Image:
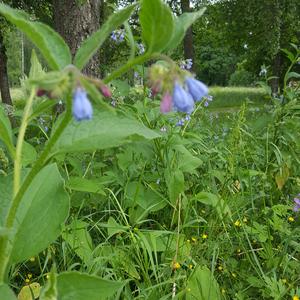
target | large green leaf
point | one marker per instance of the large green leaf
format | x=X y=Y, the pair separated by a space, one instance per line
x=78 y=286
x=44 y=207
x=50 y=43
x=94 y=42
x=157 y=23
x=202 y=285
x=6 y=293
x=182 y=23
x=103 y=131
x=6 y=132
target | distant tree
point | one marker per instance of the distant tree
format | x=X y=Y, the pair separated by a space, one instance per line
x=259 y=30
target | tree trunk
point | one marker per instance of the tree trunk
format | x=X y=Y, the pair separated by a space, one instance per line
x=4 y=85
x=75 y=22
x=188 y=39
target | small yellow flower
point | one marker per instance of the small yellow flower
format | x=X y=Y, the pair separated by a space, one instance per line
x=29 y=275
x=27 y=280
x=245 y=220
x=237 y=223
x=234 y=275
x=190 y=266
x=223 y=291
x=188 y=241
x=176 y=265
x=291 y=219
x=204 y=236
x=284 y=280
x=220 y=268
x=194 y=240
x=32 y=259
x=296 y=297
x=238 y=250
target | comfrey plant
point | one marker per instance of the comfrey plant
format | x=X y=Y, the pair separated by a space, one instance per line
x=179 y=88
x=24 y=208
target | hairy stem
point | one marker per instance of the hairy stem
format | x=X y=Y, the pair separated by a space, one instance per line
x=18 y=157
x=8 y=239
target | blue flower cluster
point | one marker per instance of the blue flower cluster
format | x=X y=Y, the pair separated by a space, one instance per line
x=118 y=35
x=184 y=99
x=186 y=64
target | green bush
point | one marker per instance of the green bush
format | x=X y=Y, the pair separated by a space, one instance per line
x=241 y=78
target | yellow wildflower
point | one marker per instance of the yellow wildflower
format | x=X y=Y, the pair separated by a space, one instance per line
x=176 y=265
x=204 y=236
x=296 y=297
x=291 y=219
x=237 y=223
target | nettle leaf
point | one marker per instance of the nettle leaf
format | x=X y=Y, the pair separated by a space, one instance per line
x=157 y=23
x=6 y=132
x=103 y=131
x=44 y=207
x=78 y=286
x=182 y=23
x=50 y=43
x=90 y=46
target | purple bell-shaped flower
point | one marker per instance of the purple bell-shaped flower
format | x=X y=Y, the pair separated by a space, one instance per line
x=82 y=107
x=196 y=88
x=182 y=100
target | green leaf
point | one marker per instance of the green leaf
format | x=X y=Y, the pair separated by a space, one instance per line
x=202 y=285
x=36 y=69
x=157 y=23
x=85 y=185
x=175 y=184
x=29 y=154
x=292 y=75
x=49 y=292
x=6 y=293
x=182 y=23
x=6 y=132
x=103 y=131
x=214 y=201
x=50 y=43
x=44 y=207
x=113 y=227
x=78 y=286
x=90 y=46
x=79 y=239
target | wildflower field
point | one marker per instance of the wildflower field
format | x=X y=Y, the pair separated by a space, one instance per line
x=154 y=188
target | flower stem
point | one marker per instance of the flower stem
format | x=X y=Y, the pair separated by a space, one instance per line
x=138 y=60
x=8 y=239
x=18 y=157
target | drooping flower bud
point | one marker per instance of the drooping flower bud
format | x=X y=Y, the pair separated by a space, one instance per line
x=196 y=88
x=106 y=92
x=82 y=107
x=155 y=89
x=166 y=103
x=41 y=92
x=182 y=100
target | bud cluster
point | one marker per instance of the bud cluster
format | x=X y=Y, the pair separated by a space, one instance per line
x=55 y=85
x=179 y=88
